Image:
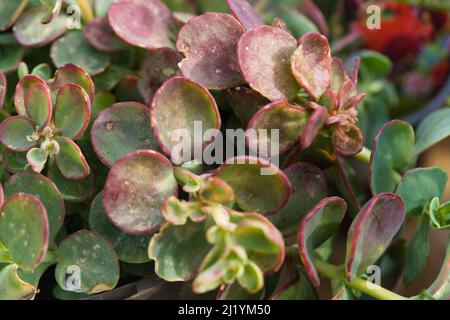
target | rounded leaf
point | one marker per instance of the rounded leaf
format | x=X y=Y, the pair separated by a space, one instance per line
x=348 y=140
x=243 y=11
x=74 y=48
x=86 y=263
x=264 y=55
x=100 y=36
x=180 y=104
x=311 y=64
x=12 y=287
x=122 y=129
x=279 y=115
x=372 y=231
x=24 y=230
x=249 y=178
x=37 y=158
x=10 y=10
x=209 y=43
x=143 y=23
x=15 y=133
x=45 y=190
x=26 y=87
x=31 y=32
x=321 y=223
x=10 y=57
x=72 y=111
x=135 y=190
x=245 y=102
x=312 y=127
x=38 y=103
x=71 y=73
x=70 y=160
x=392 y=153
x=129 y=248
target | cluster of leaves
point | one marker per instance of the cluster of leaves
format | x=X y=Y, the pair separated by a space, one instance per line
x=89 y=184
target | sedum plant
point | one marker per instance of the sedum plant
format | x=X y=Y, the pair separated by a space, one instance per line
x=91 y=190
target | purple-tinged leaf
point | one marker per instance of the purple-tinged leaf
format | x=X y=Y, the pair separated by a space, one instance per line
x=352 y=68
x=71 y=73
x=280 y=24
x=312 y=127
x=72 y=111
x=37 y=158
x=30 y=32
x=23 y=87
x=2 y=89
x=159 y=66
x=311 y=64
x=16 y=132
x=245 y=102
x=209 y=43
x=321 y=223
x=299 y=288
x=249 y=176
x=348 y=140
x=179 y=104
x=70 y=160
x=135 y=189
x=309 y=186
x=11 y=10
x=279 y=115
x=245 y=14
x=372 y=231
x=100 y=36
x=329 y=100
x=143 y=23
x=38 y=103
x=312 y=11
x=24 y=230
x=338 y=74
x=264 y=55
x=345 y=93
x=122 y=129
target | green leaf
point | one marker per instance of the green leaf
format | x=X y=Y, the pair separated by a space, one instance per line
x=86 y=263
x=24 y=230
x=37 y=101
x=297 y=22
x=43 y=189
x=298 y=289
x=419 y=186
x=418 y=251
x=15 y=133
x=129 y=248
x=439 y=214
x=434 y=128
x=42 y=70
x=374 y=65
x=70 y=160
x=12 y=287
x=440 y=289
x=10 y=11
x=37 y=158
x=391 y=155
x=252 y=278
x=71 y=73
x=10 y=57
x=178 y=251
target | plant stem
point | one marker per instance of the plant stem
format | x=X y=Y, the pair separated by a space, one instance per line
x=86 y=10
x=332 y=272
x=51 y=257
x=364 y=155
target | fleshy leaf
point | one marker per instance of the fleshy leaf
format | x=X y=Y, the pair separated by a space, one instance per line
x=72 y=111
x=315 y=123
x=28 y=86
x=144 y=23
x=12 y=287
x=209 y=43
x=122 y=129
x=86 y=263
x=135 y=189
x=338 y=74
x=179 y=104
x=10 y=57
x=45 y=190
x=14 y=161
x=178 y=251
x=235 y=292
x=70 y=160
x=30 y=32
x=74 y=48
x=53 y=10
x=282 y=116
x=2 y=88
x=439 y=214
x=371 y=232
x=434 y=128
x=10 y=10
x=37 y=158
x=309 y=186
x=298 y=289
x=71 y=73
x=264 y=55
x=391 y=155
x=440 y=289
x=100 y=36
x=158 y=67
x=243 y=11
x=249 y=176
x=24 y=230
x=311 y=64
x=419 y=186
x=321 y=223
x=129 y=248
x=348 y=140
x=15 y=133
x=245 y=102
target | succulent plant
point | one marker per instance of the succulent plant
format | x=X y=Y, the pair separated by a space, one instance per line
x=94 y=182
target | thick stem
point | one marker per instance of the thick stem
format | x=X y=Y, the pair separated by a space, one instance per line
x=332 y=272
x=364 y=155
x=86 y=10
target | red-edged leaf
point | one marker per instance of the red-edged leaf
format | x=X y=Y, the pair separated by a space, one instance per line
x=372 y=231
x=338 y=74
x=37 y=158
x=24 y=86
x=70 y=160
x=100 y=36
x=312 y=127
x=243 y=11
x=71 y=73
x=264 y=57
x=348 y=140
x=38 y=103
x=311 y=64
x=209 y=43
x=321 y=223
x=245 y=102
x=16 y=132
